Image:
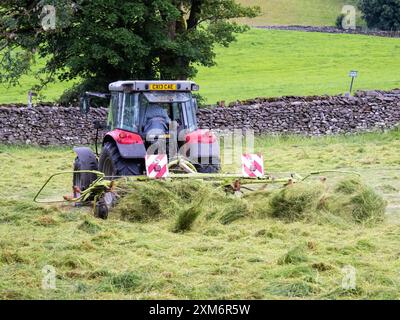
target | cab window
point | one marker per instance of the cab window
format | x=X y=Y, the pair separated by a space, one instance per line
x=129 y=112
x=113 y=111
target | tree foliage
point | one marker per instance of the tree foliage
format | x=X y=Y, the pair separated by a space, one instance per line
x=381 y=14
x=100 y=41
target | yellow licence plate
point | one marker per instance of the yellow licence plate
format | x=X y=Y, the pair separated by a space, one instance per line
x=163 y=86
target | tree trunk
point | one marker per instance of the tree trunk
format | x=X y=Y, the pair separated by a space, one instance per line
x=173 y=65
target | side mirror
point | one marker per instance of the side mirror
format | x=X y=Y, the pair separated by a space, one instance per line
x=195 y=106
x=84 y=105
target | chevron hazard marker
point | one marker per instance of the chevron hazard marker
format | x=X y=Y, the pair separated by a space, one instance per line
x=157 y=166
x=252 y=165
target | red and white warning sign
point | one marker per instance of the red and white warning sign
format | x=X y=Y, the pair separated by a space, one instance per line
x=157 y=166
x=253 y=165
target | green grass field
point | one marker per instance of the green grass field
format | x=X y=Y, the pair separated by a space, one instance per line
x=19 y=94
x=296 y=12
x=275 y=63
x=243 y=260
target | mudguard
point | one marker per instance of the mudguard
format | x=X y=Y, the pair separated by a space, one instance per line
x=130 y=145
x=202 y=144
x=203 y=151
x=131 y=151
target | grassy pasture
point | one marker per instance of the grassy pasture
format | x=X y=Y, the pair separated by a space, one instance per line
x=297 y=12
x=275 y=63
x=250 y=258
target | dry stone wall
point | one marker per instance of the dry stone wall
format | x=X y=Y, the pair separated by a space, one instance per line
x=48 y=125
x=322 y=29
x=367 y=111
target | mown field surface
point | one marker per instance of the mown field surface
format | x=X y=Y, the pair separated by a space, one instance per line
x=276 y=63
x=296 y=12
x=251 y=258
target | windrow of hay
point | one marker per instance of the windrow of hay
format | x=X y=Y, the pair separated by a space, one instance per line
x=183 y=201
x=295 y=202
x=350 y=200
x=353 y=199
x=195 y=201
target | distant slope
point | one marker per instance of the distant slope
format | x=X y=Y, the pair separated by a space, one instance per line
x=296 y=12
x=265 y=63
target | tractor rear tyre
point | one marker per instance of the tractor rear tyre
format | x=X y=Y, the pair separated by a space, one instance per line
x=113 y=165
x=212 y=167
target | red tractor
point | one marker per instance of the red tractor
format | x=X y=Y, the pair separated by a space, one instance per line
x=147 y=117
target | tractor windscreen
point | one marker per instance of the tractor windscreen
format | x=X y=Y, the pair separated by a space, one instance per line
x=133 y=111
x=171 y=106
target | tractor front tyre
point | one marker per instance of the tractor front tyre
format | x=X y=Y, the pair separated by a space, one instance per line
x=113 y=165
x=212 y=167
x=83 y=180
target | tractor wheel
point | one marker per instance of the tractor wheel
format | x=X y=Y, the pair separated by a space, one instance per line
x=83 y=180
x=101 y=210
x=113 y=165
x=213 y=167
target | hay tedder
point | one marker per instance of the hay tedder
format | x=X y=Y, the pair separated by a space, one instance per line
x=152 y=133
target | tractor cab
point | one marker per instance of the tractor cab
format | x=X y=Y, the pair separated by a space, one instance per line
x=148 y=117
x=149 y=107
